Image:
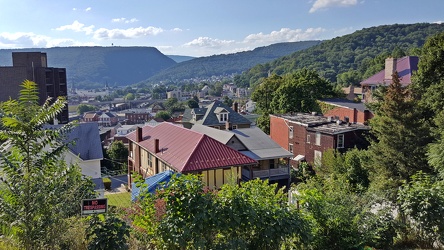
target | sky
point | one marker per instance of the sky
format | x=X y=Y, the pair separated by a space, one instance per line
x=198 y=27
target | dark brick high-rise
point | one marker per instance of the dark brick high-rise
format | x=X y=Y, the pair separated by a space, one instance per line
x=33 y=66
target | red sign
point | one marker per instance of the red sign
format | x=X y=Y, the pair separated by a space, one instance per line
x=94 y=206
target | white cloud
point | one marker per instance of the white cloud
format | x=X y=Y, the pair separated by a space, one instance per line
x=324 y=4
x=177 y=30
x=74 y=9
x=88 y=9
x=77 y=27
x=31 y=40
x=124 y=20
x=208 y=42
x=284 y=35
x=439 y=22
x=104 y=33
x=205 y=45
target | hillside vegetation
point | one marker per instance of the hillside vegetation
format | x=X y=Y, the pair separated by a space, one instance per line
x=357 y=52
x=95 y=66
x=227 y=64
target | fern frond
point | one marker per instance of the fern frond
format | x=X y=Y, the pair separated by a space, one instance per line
x=29 y=94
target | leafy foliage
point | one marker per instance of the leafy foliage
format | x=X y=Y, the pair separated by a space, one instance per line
x=82 y=108
x=350 y=52
x=422 y=200
x=39 y=190
x=165 y=115
x=296 y=92
x=218 y=65
x=119 y=154
x=186 y=215
x=107 y=231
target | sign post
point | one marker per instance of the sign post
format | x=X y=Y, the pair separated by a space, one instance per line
x=94 y=206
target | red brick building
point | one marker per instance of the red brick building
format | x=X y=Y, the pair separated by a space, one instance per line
x=137 y=117
x=347 y=111
x=308 y=136
x=33 y=66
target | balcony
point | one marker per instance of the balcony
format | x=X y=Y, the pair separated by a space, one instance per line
x=281 y=172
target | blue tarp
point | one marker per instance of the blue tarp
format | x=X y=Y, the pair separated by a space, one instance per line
x=153 y=183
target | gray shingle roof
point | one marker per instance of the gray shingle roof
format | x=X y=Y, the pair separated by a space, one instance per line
x=87 y=141
x=210 y=117
x=346 y=103
x=259 y=145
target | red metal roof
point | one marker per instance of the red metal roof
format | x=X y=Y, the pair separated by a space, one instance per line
x=405 y=66
x=187 y=150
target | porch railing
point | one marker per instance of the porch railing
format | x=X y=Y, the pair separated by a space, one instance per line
x=282 y=170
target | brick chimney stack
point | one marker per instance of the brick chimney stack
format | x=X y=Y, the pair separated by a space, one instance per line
x=139 y=134
x=390 y=67
x=156 y=146
x=236 y=107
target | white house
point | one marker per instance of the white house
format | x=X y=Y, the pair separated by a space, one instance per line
x=250 y=106
x=126 y=129
x=85 y=150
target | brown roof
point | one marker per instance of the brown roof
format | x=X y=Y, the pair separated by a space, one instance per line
x=89 y=115
x=189 y=151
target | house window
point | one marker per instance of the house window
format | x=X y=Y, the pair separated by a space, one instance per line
x=150 y=160
x=290 y=132
x=340 y=140
x=317 y=158
x=290 y=148
x=234 y=127
x=271 y=163
x=346 y=119
x=223 y=117
x=318 y=138
x=308 y=138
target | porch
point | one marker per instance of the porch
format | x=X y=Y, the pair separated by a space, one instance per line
x=280 y=172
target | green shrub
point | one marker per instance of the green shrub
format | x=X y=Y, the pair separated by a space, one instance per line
x=107 y=183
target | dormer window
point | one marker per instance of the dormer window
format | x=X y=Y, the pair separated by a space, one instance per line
x=223 y=117
x=222 y=114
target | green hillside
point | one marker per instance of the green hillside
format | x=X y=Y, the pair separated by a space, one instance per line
x=180 y=59
x=95 y=66
x=227 y=64
x=355 y=52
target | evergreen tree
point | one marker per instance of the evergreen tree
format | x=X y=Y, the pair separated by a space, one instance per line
x=400 y=137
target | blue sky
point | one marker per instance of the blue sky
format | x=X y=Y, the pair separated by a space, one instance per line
x=198 y=27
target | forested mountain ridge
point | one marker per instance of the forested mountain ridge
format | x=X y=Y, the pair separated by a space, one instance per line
x=355 y=52
x=227 y=64
x=96 y=66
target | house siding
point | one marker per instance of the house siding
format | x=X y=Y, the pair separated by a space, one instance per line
x=279 y=131
x=354 y=115
x=212 y=178
x=327 y=142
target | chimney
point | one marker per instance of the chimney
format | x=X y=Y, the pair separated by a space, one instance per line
x=390 y=68
x=139 y=134
x=236 y=107
x=351 y=94
x=156 y=146
x=228 y=126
